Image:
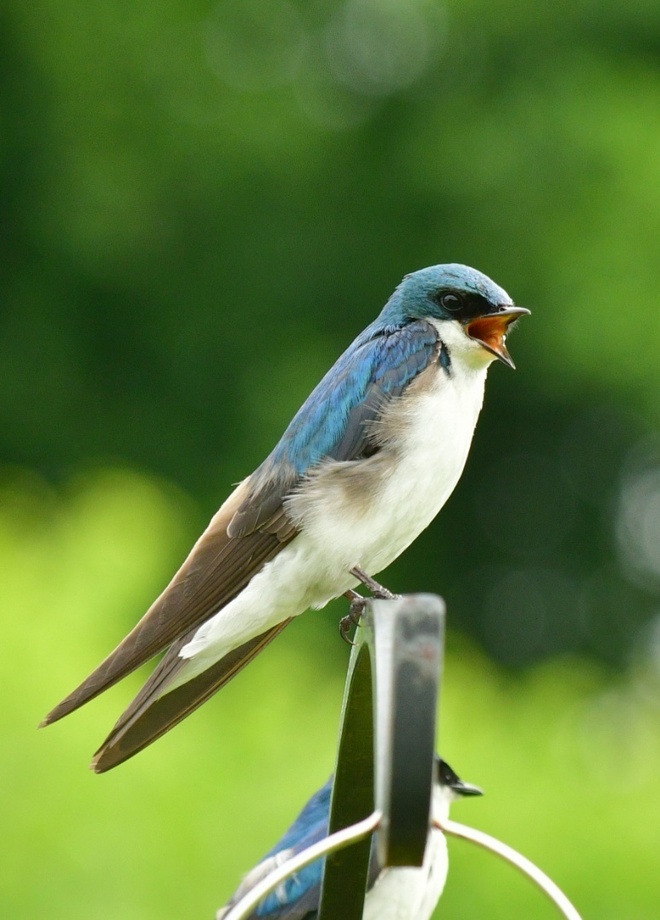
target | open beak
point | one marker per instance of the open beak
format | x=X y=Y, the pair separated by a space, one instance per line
x=490 y=330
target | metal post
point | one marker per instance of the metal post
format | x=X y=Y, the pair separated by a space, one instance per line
x=388 y=736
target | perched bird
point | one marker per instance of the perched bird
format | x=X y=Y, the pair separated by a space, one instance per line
x=392 y=894
x=364 y=466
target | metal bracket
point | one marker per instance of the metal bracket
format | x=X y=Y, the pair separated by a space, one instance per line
x=385 y=754
x=387 y=743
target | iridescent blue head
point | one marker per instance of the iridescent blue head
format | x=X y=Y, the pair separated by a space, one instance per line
x=457 y=294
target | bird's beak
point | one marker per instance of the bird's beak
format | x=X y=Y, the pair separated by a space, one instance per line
x=461 y=788
x=490 y=330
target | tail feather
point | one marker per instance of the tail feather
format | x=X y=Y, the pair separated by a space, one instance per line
x=171 y=614
x=217 y=569
x=112 y=669
x=154 y=711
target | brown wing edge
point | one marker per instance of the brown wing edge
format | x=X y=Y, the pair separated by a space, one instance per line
x=164 y=622
x=133 y=732
x=215 y=571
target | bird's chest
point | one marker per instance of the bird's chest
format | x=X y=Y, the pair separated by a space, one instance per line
x=374 y=508
x=410 y=894
x=427 y=439
x=430 y=435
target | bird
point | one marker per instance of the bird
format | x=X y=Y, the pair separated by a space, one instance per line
x=361 y=470
x=392 y=894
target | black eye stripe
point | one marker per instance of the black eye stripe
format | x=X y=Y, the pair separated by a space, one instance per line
x=461 y=305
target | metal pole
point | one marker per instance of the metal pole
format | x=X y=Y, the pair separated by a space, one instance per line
x=387 y=742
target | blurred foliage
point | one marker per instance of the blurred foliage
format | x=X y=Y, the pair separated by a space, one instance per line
x=200 y=205
x=567 y=754
x=203 y=203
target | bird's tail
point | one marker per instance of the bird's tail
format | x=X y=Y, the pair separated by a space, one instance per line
x=155 y=709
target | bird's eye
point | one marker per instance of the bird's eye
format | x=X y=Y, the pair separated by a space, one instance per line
x=451 y=302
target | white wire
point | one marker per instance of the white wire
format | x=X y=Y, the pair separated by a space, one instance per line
x=330 y=844
x=521 y=862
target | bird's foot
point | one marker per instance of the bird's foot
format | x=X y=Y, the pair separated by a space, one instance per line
x=358 y=602
x=354 y=615
x=378 y=590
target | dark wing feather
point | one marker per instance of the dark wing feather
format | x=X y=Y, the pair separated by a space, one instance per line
x=216 y=570
x=146 y=719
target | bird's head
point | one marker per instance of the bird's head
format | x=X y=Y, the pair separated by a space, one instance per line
x=447 y=787
x=465 y=300
x=446 y=780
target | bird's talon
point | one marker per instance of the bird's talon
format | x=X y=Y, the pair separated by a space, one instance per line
x=354 y=615
x=345 y=627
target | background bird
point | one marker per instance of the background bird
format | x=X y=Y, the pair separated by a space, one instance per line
x=364 y=466
x=392 y=894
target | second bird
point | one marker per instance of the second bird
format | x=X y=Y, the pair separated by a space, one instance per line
x=400 y=893
x=362 y=469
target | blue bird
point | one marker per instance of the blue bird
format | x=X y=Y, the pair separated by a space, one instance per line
x=364 y=466
x=392 y=894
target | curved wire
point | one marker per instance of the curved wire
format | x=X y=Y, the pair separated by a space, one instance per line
x=336 y=841
x=544 y=882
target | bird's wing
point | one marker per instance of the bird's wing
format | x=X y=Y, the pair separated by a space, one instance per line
x=297 y=898
x=251 y=528
x=151 y=715
x=304 y=908
x=216 y=570
x=337 y=421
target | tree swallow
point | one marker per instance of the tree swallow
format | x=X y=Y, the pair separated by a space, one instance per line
x=363 y=468
x=392 y=894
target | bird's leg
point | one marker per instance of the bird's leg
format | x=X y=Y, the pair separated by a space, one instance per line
x=358 y=602
x=354 y=614
x=376 y=589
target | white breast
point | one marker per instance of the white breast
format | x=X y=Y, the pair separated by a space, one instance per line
x=369 y=512
x=410 y=894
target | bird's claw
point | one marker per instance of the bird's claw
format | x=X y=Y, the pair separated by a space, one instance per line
x=344 y=629
x=358 y=602
x=354 y=615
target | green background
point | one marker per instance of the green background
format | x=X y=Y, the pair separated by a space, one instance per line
x=202 y=204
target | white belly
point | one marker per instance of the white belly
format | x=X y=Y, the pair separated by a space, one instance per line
x=369 y=512
x=410 y=894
